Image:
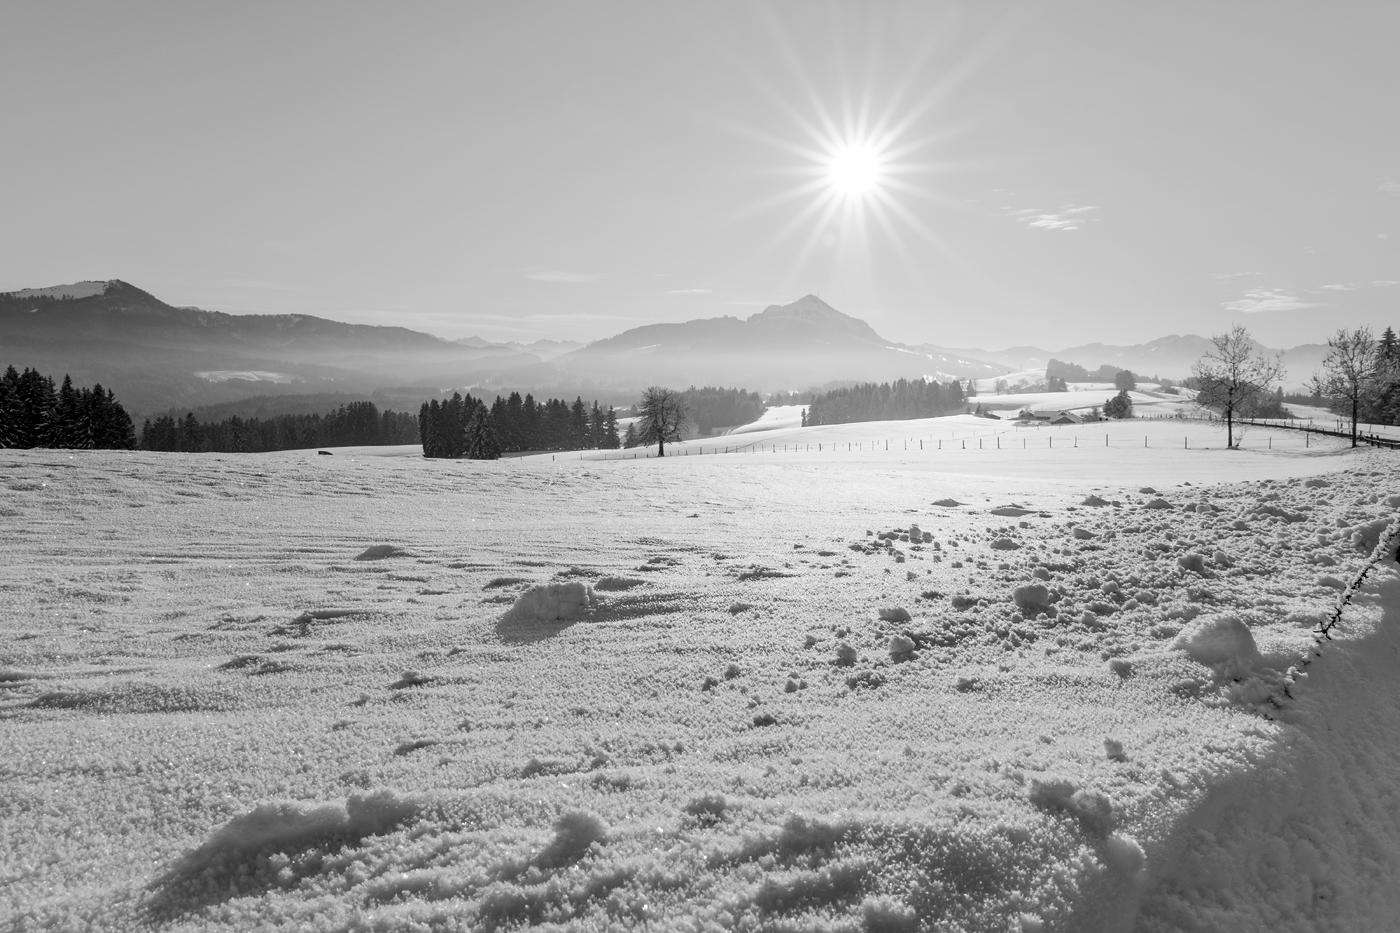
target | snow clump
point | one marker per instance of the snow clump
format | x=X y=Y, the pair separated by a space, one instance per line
x=1217 y=640
x=1094 y=809
x=553 y=602
x=884 y=914
x=617 y=583
x=1032 y=597
x=901 y=648
x=1123 y=854
x=574 y=833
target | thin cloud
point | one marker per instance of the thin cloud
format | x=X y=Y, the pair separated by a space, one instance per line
x=1391 y=186
x=1068 y=217
x=1231 y=275
x=689 y=291
x=1385 y=283
x=1257 y=300
x=556 y=275
x=1341 y=288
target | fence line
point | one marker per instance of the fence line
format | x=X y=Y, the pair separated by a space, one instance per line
x=905 y=444
x=1385 y=549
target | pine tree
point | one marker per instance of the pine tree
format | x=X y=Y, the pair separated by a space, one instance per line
x=1120 y=406
x=81 y=426
x=191 y=435
x=578 y=426
x=597 y=422
x=610 y=439
x=9 y=409
x=630 y=439
x=122 y=432
x=530 y=438
x=1387 y=348
x=425 y=426
x=482 y=442
x=68 y=416
x=37 y=400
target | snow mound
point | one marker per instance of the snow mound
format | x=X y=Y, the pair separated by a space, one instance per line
x=553 y=602
x=380 y=552
x=289 y=826
x=1094 y=501
x=948 y=503
x=1217 y=640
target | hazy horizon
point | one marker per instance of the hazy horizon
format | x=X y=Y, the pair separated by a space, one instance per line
x=965 y=176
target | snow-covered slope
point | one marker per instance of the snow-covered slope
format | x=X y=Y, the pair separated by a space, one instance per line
x=705 y=692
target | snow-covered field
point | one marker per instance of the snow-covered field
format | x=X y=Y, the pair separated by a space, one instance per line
x=733 y=692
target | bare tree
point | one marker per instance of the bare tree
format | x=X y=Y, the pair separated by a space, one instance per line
x=1349 y=370
x=1232 y=376
x=663 y=417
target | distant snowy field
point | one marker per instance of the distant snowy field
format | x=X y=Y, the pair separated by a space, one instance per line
x=300 y=692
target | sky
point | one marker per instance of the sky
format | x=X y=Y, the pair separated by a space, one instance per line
x=979 y=174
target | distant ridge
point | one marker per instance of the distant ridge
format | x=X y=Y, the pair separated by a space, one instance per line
x=76 y=290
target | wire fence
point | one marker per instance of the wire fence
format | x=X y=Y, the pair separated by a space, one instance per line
x=1031 y=436
x=1385 y=551
x=1366 y=434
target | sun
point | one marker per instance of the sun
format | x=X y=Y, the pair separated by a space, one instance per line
x=862 y=158
x=854 y=169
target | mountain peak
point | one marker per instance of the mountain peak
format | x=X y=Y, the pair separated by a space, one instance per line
x=811 y=311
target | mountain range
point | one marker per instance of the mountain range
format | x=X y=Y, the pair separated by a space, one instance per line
x=158 y=356
x=1169 y=357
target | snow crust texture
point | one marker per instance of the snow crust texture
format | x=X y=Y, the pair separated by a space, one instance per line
x=350 y=693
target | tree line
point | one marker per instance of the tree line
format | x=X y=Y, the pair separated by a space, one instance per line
x=35 y=413
x=710 y=407
x=357 y=424
x=898 y=401
x=463 y=426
